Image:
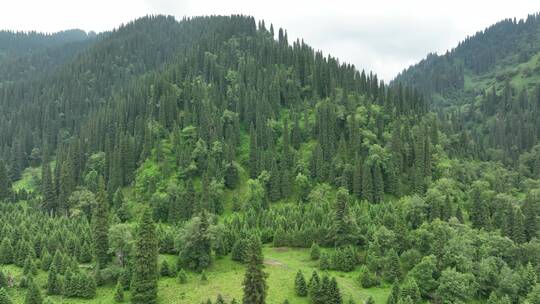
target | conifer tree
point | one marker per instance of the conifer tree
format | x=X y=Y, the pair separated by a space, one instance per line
x=394 y=296
x=315 y=252
x=5 y=182
x=300 y=285
x=254 y=283
x=33 y=295
x=4 y=297
x=100 y=227
x=47 y=189
x=182 y=277
x=145 y=268
x=119 y=292
x=54 y=285
x=3 y=280
x=367 y=183
x=393 y=267
x=6 y=252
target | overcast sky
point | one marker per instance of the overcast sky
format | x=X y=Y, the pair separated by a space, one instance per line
x=380 y=35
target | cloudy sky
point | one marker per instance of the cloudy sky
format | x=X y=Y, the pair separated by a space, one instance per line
x=380 y=35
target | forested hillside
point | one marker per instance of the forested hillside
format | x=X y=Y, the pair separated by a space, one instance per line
x=212 y=160
x=488 y=87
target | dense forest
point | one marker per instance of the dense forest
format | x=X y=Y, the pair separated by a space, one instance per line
x=212 y=160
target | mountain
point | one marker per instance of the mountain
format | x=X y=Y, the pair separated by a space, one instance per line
x=489 y=83
x=181 y=160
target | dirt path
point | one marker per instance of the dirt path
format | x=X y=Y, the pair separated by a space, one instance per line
x=272 y=262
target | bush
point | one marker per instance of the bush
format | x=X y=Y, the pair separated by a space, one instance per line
x=367 y=279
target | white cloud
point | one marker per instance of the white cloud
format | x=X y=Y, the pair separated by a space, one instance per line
x=384 y=36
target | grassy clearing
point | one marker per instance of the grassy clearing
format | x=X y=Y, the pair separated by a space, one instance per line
x=225 y=278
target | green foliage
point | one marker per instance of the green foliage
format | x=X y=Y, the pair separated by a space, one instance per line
x=4 y=297
x=315 y=252
x=195 y=252
x=100 y=227
x=455 y=287
x=33 y=295
x=145 y=268
x=255 y=287
x=300 y=285
x=367 y=279
x=119 y=293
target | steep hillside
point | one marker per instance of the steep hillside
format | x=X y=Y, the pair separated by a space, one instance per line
x=216 y=148
x=488 y=84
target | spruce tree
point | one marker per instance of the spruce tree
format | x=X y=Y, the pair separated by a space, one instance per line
x=4 y=297
x=315 y=252
x=6 y=252
x=119 y=292
x=393 y=267
x=3 y=280
x=33 y=295
x=47 y=189
x=254 y=283
x=367 y=183
x=100 y=227
x=394 y=296
x=145 y=267
x=54 y=285
x=300 y=285
x=182 y=277
x=5 y=182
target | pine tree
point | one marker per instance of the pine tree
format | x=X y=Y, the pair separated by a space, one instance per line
x=6 y=252
x=335 y=293
x=165 y=269
x=182 y=277
x=100 y=227
x=47 y=189
x=3 y=280
x=5 y=182
x=204 y=278
x=410 y=290
x=394 y=296
x=315 y=252
x=54 y=285
x=66 y=186
x=313 y=285
x=253 y=153
x=145 y=267
x=367 y=183
x=300 y=285
x=518 y=229
x=33 y=295
x=119 y=292
x=219 y=299
x=378 y=184
x=393 y=266
x=4 y=297
x=254 y=283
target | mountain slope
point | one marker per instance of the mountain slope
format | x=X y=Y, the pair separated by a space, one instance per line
x=228 y=135
x=489 y=83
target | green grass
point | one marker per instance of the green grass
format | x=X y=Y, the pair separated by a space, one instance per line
x=225 y=278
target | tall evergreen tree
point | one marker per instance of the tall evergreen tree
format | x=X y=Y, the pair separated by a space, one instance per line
x=100 y=227
x=255 y=287
x=33 y=295
x=145 y=262
x=5 y=182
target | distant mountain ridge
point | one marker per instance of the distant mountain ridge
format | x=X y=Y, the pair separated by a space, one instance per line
x=488 y=86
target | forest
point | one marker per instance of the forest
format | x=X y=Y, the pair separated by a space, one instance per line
x=212 y=160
